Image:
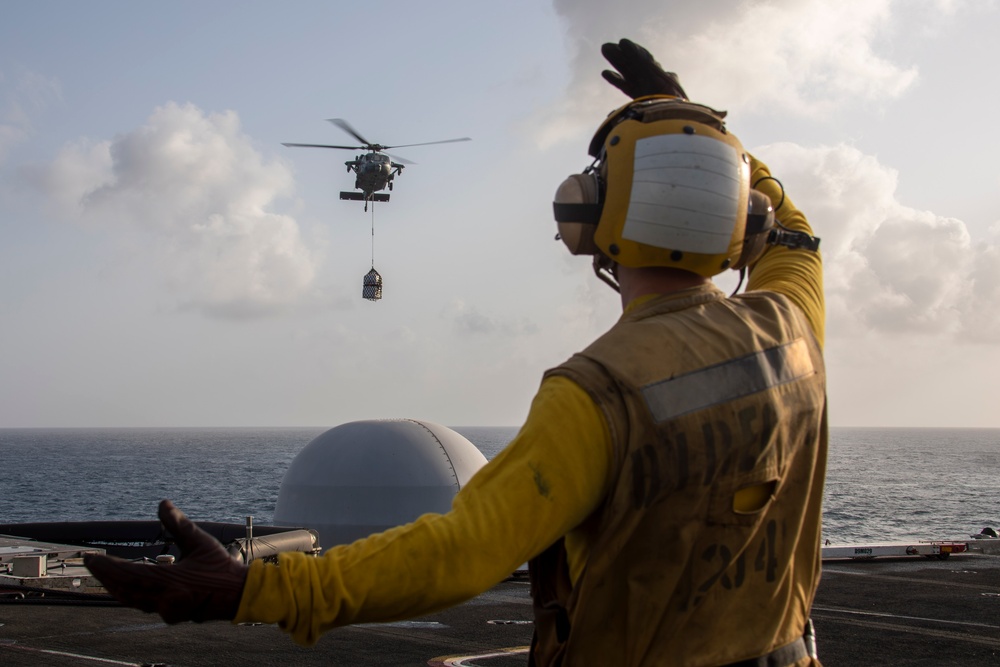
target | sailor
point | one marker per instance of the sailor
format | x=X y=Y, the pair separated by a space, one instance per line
x=667 y=483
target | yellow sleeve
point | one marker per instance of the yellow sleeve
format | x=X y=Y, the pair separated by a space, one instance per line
x=796 y=273
x=545 y=482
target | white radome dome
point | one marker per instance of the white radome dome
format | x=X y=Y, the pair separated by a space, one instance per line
x=364 y=477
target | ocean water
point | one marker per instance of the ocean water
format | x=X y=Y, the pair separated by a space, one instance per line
x=911 y=483
x=882 y=484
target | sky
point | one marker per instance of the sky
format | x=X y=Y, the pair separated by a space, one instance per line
x=165 y=261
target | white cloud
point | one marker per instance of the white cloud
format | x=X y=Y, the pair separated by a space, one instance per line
x=22 y=98
x=467 y=319
x=981 y=317
x=810 y=56
x=813 y=56
x=194 y=185
x=889 y=268
x=81 y=167
x=953 y=7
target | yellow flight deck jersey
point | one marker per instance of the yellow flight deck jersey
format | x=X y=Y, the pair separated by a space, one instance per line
x=557 y=472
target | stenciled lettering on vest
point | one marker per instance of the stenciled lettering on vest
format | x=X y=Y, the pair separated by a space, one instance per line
x=758 y=562
x=665 y=466
x=659 y=468
x=718 y=439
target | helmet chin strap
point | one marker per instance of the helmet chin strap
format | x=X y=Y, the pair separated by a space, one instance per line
x=604 y=268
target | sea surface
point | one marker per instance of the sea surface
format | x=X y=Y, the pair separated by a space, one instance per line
x=883 y=484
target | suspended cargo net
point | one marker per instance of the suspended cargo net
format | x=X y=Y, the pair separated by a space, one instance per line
x=372 y=289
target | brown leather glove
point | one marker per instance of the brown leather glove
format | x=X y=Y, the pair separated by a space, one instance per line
x=206 y=583
x=638 y=72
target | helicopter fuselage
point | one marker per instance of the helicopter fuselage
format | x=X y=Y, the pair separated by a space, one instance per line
x=375 y=171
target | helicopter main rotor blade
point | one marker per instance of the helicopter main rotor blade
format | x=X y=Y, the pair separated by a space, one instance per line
x=428 y=143
x=348 y=148
x=346 y=127
x=401 y=160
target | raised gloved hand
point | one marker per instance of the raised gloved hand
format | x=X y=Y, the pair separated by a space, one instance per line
x=638 y=72
x=206 y=583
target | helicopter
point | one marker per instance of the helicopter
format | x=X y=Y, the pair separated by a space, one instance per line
x=374 y=170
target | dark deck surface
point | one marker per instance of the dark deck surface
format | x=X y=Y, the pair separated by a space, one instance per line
x=881 y=612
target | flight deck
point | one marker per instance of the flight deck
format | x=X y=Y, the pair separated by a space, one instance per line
x=893 y=611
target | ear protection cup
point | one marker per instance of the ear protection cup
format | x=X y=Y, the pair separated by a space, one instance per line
x=577 y=211
x=760 y=221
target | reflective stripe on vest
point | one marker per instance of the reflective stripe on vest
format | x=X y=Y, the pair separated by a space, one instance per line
x=728 y=381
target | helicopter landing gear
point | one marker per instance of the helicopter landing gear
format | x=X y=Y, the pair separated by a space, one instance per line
x=390 y=185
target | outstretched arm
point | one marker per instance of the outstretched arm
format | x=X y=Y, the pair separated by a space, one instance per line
x=205 y=584
x=544 y=483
